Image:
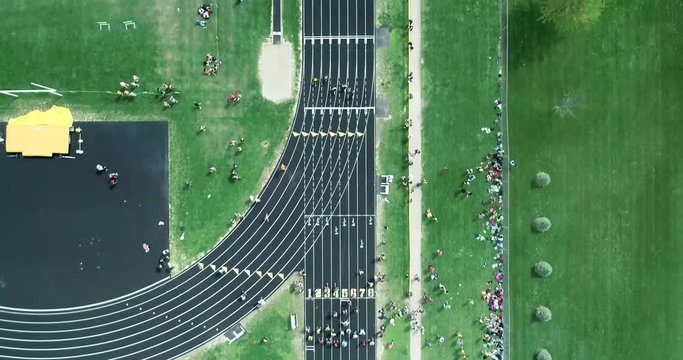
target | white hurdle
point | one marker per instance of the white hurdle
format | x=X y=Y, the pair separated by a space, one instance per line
x=128 y=23
x=103 y=25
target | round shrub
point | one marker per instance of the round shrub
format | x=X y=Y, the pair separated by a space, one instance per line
x=542 y=224
x=543 y=354
x=543 y=313
x=541 y=179
x=543 y=269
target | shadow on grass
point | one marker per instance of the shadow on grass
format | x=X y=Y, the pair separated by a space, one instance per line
x=530 y=39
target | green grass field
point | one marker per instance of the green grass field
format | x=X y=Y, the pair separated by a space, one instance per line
x=391 y=77
x=459 y=86
x=63 y=48
x=613 y=199
x=272 y=322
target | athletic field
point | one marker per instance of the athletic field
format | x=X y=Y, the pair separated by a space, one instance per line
x=613 y=201
x=66 y=48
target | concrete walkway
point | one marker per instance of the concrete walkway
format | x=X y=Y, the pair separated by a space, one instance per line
x=415 y=171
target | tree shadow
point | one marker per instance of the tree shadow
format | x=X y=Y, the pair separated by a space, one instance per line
x=530 y=39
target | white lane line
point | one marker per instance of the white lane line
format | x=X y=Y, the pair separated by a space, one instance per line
x=339 y=37
x=337 y=215
x=132 y=307
x=226 y=284
x=13 y=309
x=121 y=299
x=341 y=108
x=340 y=199
x=277 y=203
x=317 y=184
x=355 y=166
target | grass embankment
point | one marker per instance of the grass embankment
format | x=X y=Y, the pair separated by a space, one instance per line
x=613 y=200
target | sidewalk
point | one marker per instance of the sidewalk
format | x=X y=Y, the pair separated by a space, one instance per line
x=415 y=171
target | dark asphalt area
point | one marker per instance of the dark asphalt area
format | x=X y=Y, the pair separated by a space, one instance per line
x=67 y=238
x=299 y=224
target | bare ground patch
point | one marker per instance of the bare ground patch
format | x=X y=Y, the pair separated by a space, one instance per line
x=276 y=71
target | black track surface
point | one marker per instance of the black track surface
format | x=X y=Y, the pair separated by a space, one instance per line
x=329 y=182
x=67 y=238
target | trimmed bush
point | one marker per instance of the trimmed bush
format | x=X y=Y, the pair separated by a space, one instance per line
x=543 y=313
x=543 y=269
x=543 y=354
x=541 y=179
x=542 y=224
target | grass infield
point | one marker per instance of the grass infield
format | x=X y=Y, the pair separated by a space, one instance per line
x=65 y=49
x=616 y=232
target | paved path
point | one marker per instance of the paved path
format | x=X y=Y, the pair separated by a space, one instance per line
x=415 y=171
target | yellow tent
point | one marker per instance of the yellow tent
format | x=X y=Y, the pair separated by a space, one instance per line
x=40 y=133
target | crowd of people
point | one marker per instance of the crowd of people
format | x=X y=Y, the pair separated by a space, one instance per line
x=127 y=90
x=211 y=65
x=490 y=169
x=339 y=331
x=335 y=88
x=205 y=11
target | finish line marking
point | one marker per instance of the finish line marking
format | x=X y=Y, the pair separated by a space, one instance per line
x=339 y=37
x=338 y=215
x=339 y=108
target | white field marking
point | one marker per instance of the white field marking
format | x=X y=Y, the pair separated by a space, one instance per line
x=43 y=86
x=171 y=320
x=338 y=37
x=57 y=322
x=330 y=108
x=8 y=93
x=337 y=215
x=355 y=163
x=96 y=306
x=346 y=163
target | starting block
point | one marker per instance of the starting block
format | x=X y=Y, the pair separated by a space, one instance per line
x=103 y=25
x=128 y=23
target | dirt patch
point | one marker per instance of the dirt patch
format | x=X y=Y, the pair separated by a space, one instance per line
x=276 y=71
x=265 y=144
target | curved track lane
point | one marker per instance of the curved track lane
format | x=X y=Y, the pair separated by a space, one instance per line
x=329 y=180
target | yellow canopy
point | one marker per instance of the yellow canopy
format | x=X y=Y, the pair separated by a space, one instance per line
x=40 y=133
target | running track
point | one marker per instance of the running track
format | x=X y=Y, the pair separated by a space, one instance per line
x=319 y=212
